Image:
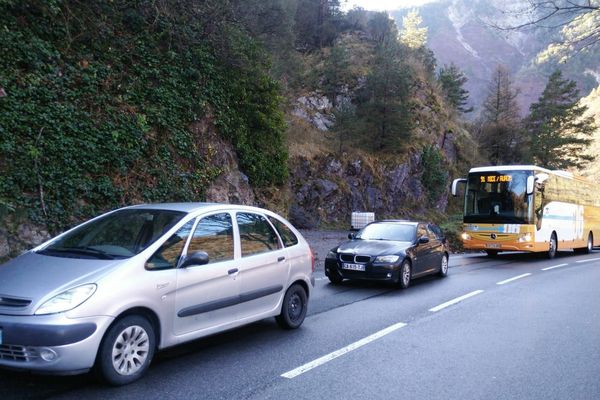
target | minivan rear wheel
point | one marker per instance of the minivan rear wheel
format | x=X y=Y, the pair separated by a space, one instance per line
x=293 y=309
x=126 y=350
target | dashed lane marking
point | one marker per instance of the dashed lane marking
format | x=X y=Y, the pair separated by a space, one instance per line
x=588 y=260
x=454 y=301
x=338 y=353
x=554 y=266
x=514 y=278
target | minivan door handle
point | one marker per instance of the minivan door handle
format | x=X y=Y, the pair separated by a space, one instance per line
x=233 y=271
x=280 y=259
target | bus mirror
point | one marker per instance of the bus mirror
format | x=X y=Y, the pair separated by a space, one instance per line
x=455 y=185
x=530 y=184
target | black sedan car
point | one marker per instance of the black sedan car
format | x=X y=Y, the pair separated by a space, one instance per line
x=393 y=250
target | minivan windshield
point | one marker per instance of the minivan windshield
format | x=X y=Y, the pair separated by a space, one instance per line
x=498 y=197
x=388 y=231
x=120 y=234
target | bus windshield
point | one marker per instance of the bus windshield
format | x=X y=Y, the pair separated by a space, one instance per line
x=498 y=197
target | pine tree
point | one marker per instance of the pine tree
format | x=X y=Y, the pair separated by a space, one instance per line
x=452 y=80
x=382 y=28
x=413 y=35
x=335 y=72
x=316 y=22
x=557 y=130
x=499 y=132
x=384 y=105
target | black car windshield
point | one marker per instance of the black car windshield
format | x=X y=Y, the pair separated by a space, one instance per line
x=497 y=197
x=388 y=231
x=121 y=234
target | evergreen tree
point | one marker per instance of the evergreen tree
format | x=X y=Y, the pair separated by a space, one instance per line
x=335 y=73
x=384 y=105
x=557 y=129
x=452 y=80
x=382 y=28
x=316 y=22
x=345 y=128
x=413 y=35
x=499 y=128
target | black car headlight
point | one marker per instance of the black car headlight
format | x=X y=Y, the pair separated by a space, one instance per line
x=387 y=259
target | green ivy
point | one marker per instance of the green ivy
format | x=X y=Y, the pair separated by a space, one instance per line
x=101 y=97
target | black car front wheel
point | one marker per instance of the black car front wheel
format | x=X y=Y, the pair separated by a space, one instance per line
x=444 y=266
x=334 y=276
x=405 y=274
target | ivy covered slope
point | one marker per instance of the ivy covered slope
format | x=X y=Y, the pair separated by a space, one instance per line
x=98 y=100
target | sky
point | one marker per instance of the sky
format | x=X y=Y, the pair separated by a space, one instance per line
x=383 y=5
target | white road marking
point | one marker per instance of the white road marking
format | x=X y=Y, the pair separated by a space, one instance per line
x=326 y=358
x=554 y=266
x=588 y=260
x=512 y=279
x=454 y=301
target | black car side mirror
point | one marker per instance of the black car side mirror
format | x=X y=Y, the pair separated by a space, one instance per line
x=197 y=258
x=423 y=240
x=351 y=235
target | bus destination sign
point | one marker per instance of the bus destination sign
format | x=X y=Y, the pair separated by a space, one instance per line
x=495 y=178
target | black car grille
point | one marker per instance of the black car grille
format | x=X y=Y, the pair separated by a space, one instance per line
x=351 y=258
x=13 y=302
x=17 y=353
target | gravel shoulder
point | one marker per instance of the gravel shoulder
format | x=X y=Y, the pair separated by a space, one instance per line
x=321 y=242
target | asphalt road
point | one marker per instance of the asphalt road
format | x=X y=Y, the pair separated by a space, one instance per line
x=504 y=328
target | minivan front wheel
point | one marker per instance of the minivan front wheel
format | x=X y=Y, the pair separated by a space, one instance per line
x=126 y=350
x=293 y=309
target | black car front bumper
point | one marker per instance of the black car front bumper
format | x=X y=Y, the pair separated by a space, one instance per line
x=373 y=272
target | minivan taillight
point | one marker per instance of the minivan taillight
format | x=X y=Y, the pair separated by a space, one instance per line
x=312 y=259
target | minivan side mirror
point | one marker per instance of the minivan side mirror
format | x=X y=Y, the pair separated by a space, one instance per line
x=197 y=258
x=423 y=240
x=351 y=235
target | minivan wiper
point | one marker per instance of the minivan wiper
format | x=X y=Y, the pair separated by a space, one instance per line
x=85 y=250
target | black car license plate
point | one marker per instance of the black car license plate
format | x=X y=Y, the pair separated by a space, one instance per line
x=353 y=267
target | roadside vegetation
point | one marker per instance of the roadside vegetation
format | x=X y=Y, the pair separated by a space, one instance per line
x=104 y=103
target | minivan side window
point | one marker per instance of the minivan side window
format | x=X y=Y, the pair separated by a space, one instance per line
x=256 y=235
x=287 y=236
x=214 y=235
x=168 y=255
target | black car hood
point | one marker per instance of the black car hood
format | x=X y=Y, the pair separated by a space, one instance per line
x=373 y=247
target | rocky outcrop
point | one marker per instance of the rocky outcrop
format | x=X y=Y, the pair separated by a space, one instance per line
x=230 y=185
x=316 y=109
x=18 y=235
x=326 y=189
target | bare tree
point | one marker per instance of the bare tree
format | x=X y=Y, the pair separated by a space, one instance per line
x=577 y=20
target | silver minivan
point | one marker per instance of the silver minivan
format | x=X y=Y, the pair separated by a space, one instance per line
x=110 y=292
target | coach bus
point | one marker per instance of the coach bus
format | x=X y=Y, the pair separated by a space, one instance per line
x=528 y=208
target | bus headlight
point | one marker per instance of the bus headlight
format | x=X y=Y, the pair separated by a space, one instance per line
x=465 y=236
x=524 y=238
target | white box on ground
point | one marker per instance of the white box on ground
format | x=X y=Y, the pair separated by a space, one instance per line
x=360 y=219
